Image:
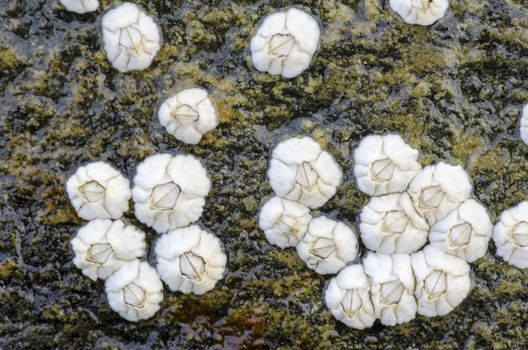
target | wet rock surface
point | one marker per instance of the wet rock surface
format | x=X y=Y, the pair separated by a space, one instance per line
x=454 y=90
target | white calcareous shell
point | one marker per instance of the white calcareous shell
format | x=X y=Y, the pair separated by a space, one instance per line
x=97 y=190
x=439 y=189
x=328 y=246
x=131 y=37
x=285 y=43
x=80 y=6
x=464 y=233
x=422 y=12
x=169 y=191
x=188 y=115
x=102 y=246
x=134 y=291
x=190 y=260
x=390 y=224
x=348 y=298
x=524 y=125
x=300 y=171
x=284 y=222
x=385 y=164
x=510 y=235
x=442 y=281
x=392 y=287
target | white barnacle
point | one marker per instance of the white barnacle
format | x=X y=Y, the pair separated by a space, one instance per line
x=285 y=43
x=328 y=245
x=384 y=164
x=190 y=260
x=464 y=233
x=510 y=235
x=188 y=115
x=134 y=291
x=131 y=37
x=392 y=287
x=422 y=12
x=102 y=246
x=169 y=191
x=439 y=189
x=284 y=222
x=300 y=171
x=442 y=281
x=80 y=6
x=348 y=298
x=97 y=190
x=390 y=224
x=524 y=125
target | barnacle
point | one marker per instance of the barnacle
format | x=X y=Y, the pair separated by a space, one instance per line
x=524 y=124
x=80 y=6
x=510 y=235
x=422 y=12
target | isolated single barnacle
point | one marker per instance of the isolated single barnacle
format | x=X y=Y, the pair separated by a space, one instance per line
x=390 y=224
x=524 y=125
x=80 y=6
x=348 y=298
x=422 y=12
x=169 y=191
x=384 y=164
x=392 y=287
x=328 y=245
x=102 y=246
x=510 y=235
x=188 y=115
x=442 y=281
x=465 y=232
x=285 y=43
x=284 y=222
x=300 y=171
x=131 y=37
x=97 y=190
x=438 y=189
x=134 y=291
x=190 y=260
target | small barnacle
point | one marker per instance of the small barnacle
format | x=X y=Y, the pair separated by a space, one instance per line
x=390 y=224
x=190 y=260
x=169 y=191
x=524 y=125
x=510 y=235
x=102 y=246
x=384 y=164
x=348 y=298
x=328 y=245
x=464 y=233
x=442 y=281
x=285 y=43
x=97 y=190
x=134 y=291
x=439 y=189
x=131 y=37
x=284 y=222
x=188 y=115
x=80 y=6
x=300 y=171
x=392 y=287
x=422 y=12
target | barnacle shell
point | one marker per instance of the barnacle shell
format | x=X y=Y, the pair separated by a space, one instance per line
x=384 y=164
x=134 y=291
x=524 y=124
x=169 y=191
x=328 y=245
x=300 y=171
x=422 y=12
x=284 y=222
x=390 y=224
x=510 y=235
x=97 y=190
x=285 y=43
x=131 y=37
x=102 y=246
x=348 y=298
x=188 y=115
x=80 y=6
x=465 y=232
x=190 y=260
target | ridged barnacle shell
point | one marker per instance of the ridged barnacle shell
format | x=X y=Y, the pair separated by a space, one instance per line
x=422 y=12
x=80 y=6
x=510 y=235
